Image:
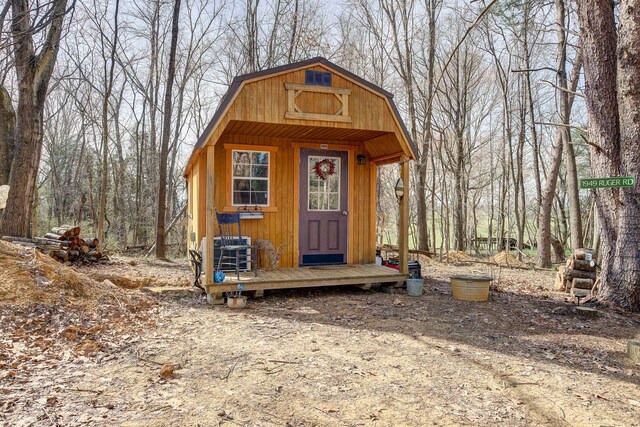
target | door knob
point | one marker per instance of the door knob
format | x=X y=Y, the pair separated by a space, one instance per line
x=344 y=213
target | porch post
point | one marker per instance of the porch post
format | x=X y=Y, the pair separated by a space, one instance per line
x=209 y=262
x=403 y=232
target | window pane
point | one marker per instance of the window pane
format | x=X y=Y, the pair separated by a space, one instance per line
x=241 y=198
x=322 y=201
x=313 y=201
x=259 y=198
x=333 y=202
x=241 y=157
x=260 y=171
x=241 y=185
x=334 y=184
x=261 y=158
x=259 y=185
x=241 y=170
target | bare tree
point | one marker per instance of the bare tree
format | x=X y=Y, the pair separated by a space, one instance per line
x=166 y=135
x=614 y=132
x=565 y=95
x=33 y=70
x=109 y=67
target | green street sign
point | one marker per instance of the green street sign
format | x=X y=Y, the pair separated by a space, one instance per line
x=619 y=181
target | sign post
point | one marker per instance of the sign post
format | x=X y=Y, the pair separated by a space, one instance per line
x=614 y=182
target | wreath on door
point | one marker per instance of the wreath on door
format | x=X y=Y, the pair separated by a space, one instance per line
x=325 y=168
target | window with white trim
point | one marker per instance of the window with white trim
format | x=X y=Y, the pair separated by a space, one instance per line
x=250 y=175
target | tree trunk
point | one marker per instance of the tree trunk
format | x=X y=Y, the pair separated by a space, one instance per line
x=33 y=72
x=575 y=219
x=529 y=102
x=544 y=222
x=613 y=105
x=7 y=134
x=166 y=135
x=104 y=177
x=421 y=199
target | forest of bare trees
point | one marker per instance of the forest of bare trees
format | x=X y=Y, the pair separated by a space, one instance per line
x=492 y=92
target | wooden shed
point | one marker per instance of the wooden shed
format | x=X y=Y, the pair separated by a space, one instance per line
x=295 y=149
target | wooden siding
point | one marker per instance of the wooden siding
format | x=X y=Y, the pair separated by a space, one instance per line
x=264 y=100
x=279 y=226
x=255 y=116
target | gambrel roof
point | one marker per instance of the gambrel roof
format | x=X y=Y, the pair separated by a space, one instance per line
x=241 y=81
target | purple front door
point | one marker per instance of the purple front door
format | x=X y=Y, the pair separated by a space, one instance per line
x=324 y=195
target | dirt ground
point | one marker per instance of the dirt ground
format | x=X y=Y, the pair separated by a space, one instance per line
x=337 y=357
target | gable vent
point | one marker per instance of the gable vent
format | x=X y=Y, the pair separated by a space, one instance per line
x=318 y=78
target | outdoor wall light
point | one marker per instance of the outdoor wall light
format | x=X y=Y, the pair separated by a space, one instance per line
x=399 y=188
x=362 y=160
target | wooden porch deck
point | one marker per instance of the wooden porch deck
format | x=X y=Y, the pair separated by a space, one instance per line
x=305 y=277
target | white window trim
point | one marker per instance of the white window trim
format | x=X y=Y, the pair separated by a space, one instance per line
x=267 y=178
x=339 y=159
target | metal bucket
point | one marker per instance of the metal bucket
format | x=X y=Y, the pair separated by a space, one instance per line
x=470 y=288
x=237 y=302
x=415 y=287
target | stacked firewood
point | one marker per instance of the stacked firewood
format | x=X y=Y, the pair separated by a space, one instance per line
x=64 y=244
x=577 y=276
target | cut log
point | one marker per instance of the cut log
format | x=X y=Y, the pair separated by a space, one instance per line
x=131 y=247
x=54 y=236
x=66 y=230
x=45 y=241
x=59 y=255
x=633 y=350
x=579 y=264
x=25 y=244
x=578 y=274
x=582 y=284
x=559 y=283
x=38 y=241
x=92 y=243
x=580 y=253
x=13 y=239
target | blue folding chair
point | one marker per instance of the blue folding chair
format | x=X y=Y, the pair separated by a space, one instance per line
x=231 y=246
